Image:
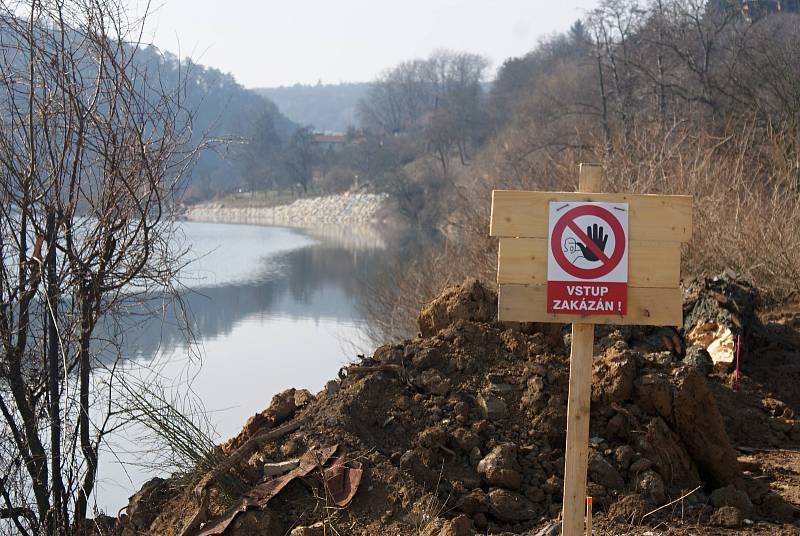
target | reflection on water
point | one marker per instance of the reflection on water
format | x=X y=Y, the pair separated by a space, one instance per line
x=316 y=281
x=271 y=308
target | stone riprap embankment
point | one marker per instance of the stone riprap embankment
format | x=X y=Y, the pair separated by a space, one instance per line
x=347 y=208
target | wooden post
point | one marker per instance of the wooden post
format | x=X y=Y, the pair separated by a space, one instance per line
x=576 y=458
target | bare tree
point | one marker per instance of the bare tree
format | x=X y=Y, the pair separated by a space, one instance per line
x=438 y=97
x=92 y=148
x=299 y=157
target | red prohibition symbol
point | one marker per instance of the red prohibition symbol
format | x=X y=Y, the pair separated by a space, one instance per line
x=568 y=220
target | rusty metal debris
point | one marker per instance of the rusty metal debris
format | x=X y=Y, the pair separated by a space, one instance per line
x=237 y=457
x=341 y=481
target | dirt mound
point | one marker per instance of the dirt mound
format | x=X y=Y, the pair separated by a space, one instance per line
x=463 y=430
x=470 y=301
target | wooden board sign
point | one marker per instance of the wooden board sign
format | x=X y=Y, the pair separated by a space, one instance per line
x=637 y=269
x=588 y=258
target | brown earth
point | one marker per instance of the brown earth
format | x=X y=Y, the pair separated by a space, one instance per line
x=461 y=431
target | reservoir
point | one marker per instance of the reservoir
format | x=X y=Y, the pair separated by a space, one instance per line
x=269 y=308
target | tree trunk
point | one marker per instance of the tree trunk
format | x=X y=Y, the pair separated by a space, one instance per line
x=58 y=515
x=88 y=451
x=30 y=443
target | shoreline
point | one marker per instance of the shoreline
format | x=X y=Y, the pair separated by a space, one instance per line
x=357 y=221
x=310 y=213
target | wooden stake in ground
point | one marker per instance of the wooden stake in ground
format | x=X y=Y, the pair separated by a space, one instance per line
x=578 y=402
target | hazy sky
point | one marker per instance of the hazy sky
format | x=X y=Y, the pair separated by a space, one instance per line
x=271 y=42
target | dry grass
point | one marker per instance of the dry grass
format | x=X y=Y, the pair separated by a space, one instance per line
x=747 y=204
x=744 y=182
x=401 y=292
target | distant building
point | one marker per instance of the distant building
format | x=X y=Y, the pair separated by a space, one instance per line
x=334 y=141
x=329 y=142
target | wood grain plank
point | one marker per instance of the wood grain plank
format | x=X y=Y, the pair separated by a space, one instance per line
x=576 y=458
x=651 y=217
x=650 y=264
x=646 y=307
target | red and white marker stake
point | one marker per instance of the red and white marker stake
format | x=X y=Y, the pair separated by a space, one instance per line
x=738 y=352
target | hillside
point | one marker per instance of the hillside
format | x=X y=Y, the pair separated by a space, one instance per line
x=240 y=125
x=327 y=107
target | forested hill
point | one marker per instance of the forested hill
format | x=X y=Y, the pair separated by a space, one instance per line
x=242 y=125
x=327 y=107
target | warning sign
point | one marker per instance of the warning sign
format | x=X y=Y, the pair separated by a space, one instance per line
x=587 y=261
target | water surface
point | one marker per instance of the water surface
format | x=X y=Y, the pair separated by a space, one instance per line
x=271 y=308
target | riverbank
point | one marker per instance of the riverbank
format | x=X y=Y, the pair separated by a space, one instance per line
x=344 y=209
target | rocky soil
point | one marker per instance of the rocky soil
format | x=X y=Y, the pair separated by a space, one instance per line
x=461 y=431
x=345 y=208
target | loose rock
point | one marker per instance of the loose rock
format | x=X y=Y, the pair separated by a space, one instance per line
x=509 y=506
x=494 y=409
x=500 y=467
x=728 y=516
x=602 y=472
